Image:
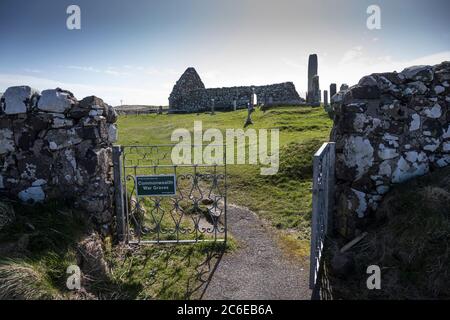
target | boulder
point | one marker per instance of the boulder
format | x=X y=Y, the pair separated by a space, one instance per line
x=418 y=73
x=56 y=100
x=94 y=106
x=19 y=99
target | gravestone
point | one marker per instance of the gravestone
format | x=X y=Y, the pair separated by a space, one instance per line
x=333 y=90
x=315 y=95
x=325 y=97
x=249 y=115
x=212 y=107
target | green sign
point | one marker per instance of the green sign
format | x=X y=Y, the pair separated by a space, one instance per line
x=156 y=185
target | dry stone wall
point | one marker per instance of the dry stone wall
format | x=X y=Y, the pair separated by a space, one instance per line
x=190 y=95
x=388 y=128
x=53 y=146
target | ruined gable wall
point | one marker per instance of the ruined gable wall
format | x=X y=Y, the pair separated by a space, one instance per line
x=53 y=146
x=389 y=128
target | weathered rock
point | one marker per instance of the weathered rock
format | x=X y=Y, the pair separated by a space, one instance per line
x=33 y=194
x=111 y=114
x=62 y=138
x=7 y=215
x=91 y=259
x=342 y=264
x=58 y=151
x=56 y=100
x=418 y=73
x=112 y=133
x=19 y=99
x=77 y=112
x=6 y=141
x=97 y=107
x=388 y=129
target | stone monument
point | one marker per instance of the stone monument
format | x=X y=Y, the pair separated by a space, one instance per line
x=313 y=95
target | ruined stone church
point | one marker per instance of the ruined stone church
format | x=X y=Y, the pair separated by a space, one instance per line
x=190 y=95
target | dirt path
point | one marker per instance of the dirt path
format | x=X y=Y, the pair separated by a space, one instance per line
x=258 y=269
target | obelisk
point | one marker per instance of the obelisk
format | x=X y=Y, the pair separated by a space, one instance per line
x=313 y=96
x=312 y=71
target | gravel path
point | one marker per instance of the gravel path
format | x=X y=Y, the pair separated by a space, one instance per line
x=258 y=269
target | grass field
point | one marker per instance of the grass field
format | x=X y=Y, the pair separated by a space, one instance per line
x=283 y=199
x=44 y=240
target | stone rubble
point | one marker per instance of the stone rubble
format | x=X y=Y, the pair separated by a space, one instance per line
x=53 y=146
x=389 y=128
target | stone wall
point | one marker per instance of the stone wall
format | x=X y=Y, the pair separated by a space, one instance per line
x=53 y=146
x=190 y=95
x=388 y=128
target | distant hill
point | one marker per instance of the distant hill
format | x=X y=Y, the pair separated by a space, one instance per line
x=141 y=109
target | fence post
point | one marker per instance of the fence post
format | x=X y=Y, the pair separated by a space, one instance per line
x=118 y=192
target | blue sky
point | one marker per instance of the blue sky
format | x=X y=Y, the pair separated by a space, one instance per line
x=135 y=50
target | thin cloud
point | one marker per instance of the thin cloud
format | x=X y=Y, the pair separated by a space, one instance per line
x=110 y=94
x=32 y=70
x=293 y=64
x=109 y=71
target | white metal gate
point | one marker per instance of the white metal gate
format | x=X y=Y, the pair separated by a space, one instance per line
x=322 y=205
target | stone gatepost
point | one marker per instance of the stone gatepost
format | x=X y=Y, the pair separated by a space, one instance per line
x=389 y=128
x=53 y=146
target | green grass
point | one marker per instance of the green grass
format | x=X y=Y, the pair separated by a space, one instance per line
x=43 y=241
x=283 y=199
x=166 y=272
x=37 y=248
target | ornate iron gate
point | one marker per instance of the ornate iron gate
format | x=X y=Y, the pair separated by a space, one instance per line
x=195 y=212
